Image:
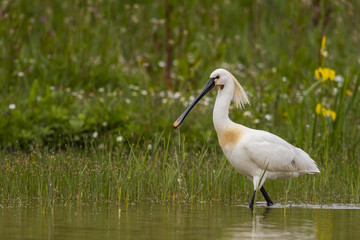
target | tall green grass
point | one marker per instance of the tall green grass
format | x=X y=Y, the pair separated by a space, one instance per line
x=168 y=171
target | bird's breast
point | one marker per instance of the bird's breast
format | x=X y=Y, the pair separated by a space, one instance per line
x=230 y=137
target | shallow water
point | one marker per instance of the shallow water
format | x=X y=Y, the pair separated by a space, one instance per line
x=202 y=221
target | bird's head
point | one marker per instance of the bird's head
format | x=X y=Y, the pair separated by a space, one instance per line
x=223 y=79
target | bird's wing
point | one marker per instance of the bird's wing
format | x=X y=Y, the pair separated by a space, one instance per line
x=270 y=152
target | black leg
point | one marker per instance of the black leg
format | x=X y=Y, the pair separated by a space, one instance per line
x=252 y=200
x=266 y=196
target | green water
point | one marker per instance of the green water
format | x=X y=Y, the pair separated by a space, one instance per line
x=205 y=221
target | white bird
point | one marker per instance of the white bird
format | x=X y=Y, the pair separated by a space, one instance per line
x=257 y=154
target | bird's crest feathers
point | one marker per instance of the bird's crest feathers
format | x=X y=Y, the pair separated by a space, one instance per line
x=240 y=98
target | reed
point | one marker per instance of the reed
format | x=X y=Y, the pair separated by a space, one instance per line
x=169 y=171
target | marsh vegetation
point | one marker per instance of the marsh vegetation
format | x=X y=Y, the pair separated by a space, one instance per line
x=86 y=113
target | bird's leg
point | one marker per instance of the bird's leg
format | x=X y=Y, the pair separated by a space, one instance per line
x=266 y=196
x=252 y=200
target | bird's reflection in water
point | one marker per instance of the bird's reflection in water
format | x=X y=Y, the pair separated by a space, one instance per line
x=271 y=223
x=258 y=218
x=264 y=211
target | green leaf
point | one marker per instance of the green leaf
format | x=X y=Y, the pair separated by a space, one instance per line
x=33 y=92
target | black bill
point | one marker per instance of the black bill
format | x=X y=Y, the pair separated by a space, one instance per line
x=207 y=88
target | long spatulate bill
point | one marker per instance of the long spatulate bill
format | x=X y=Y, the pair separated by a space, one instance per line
x=210 y=84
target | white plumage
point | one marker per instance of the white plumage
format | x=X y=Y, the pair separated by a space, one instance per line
x=254 y=153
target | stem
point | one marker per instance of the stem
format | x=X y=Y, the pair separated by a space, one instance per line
x=168 y=45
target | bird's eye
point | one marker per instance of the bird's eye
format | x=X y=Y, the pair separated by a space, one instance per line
x=217 y=77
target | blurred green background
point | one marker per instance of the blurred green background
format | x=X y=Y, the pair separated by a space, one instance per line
x=89 y=91
x=77 y=71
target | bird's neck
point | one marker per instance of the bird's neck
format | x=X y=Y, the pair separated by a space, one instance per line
x=221 y=109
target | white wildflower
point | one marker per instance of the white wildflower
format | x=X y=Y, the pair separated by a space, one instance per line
x=335 y=91
x=134 y=87
x=339 y=79
x=12 y=106
x=240 y=65
x=20 y=74
x=174 y=95
x=119 y=139
x=162 y=94
x=95 y=134
x=161 y=64
x=247 y=114
x=268 y=117
x=206 y=101
x=260 y=65
x=134 y=18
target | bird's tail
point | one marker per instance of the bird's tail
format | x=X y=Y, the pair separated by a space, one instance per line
x=305 y=163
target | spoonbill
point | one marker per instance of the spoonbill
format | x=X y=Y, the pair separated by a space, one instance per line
x=257 y=154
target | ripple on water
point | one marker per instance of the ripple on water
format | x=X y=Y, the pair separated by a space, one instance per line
x=310 y=206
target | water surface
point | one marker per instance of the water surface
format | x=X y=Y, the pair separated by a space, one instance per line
x=180 y=221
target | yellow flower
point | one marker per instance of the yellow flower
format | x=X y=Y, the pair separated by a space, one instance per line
x=321 y=110
x=322 y=49
x=330 y=113
x=317 y=73
x=324 y=74
x=331 y=74
x=323 y=43
x=348 y=92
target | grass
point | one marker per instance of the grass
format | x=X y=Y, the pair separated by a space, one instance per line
x=85 y=112
x=169 y=171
